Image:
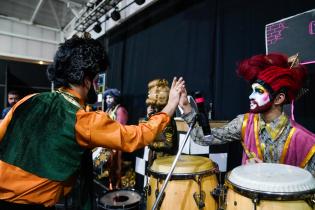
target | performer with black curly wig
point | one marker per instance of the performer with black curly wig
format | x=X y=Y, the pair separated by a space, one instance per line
x=266 y=132
x=44 y=136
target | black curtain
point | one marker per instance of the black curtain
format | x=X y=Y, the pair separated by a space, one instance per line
x=162 y=45
x=201 y=40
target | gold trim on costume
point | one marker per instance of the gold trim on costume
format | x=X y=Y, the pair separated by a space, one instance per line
x=277 y=130
x=70 y=98
x=247 y=152
x=308 y=157
x=112 y=112
x=244 y=125
x=286 y=145
x=260 y=156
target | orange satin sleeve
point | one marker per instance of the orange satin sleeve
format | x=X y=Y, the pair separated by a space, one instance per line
x=97 y=129
x=19 y=186
x=5 y=122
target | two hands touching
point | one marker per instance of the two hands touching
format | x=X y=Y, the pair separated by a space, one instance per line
x=177 y=96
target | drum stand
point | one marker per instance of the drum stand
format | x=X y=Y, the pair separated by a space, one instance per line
x=219 y=194
x=159 y=200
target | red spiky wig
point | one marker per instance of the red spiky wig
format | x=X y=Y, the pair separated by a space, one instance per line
x=273 y=71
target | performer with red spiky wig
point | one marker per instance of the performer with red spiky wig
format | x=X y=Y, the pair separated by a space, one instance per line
x=266 y=132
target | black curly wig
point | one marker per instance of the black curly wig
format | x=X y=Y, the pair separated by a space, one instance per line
x=76 y=59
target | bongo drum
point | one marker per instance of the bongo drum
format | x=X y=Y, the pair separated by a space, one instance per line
x=270 y=186
x=190 y=185
x=120 y=199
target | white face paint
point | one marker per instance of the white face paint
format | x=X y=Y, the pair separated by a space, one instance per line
x=109 y=100
x=259 y=96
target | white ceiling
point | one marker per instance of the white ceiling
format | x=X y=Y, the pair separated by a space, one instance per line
x=50 y=13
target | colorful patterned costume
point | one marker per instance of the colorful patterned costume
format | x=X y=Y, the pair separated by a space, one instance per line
x=275 y=82
x=298 y=149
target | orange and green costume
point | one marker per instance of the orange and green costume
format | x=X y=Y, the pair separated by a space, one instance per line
x=44 y=136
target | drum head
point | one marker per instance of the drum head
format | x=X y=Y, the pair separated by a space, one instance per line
x=186 y=164
x=119 y=199
x=272 y=178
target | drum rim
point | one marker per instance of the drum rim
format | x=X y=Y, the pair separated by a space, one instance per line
x=123 y=205
x=182 y=176
x=254 y=194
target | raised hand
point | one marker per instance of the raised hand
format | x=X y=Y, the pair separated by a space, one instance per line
x=176 y=88
x=183 y=101
x=178 y=85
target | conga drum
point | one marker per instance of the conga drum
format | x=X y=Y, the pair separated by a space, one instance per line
x=190 y=186
x=124 y=199
x=270 y=186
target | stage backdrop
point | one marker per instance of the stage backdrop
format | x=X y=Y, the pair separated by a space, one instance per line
x=201 y=40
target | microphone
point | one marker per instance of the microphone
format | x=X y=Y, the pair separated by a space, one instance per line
x=202 y=118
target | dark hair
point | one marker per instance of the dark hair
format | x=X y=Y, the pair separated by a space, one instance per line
x=75 y=59
x=13 y=92
x=113 y=92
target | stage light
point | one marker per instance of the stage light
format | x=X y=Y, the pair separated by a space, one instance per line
x=139 y=2
x=115 y=15
x=97 y=28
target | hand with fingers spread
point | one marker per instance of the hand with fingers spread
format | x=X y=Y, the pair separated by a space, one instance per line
x=178 y=85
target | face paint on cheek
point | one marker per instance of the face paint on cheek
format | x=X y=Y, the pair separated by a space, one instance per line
x=109 y=100
x=265 y=97
x=259 y=99
x=262 y=99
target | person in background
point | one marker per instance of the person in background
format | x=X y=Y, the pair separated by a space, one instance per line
x=13 y=98
x=266 y=133
x=114 y=109
x=46 y=138
x=108 y=162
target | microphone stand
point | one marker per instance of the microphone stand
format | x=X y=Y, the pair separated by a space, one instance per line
x=158 y=201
